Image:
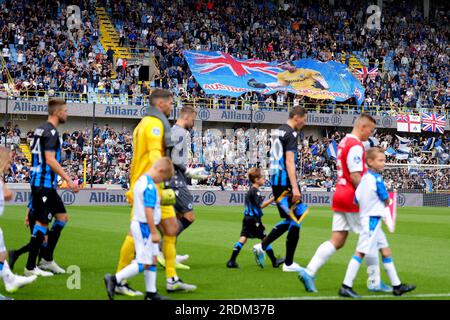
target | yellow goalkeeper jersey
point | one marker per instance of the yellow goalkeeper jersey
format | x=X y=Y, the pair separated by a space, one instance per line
x=148 y=146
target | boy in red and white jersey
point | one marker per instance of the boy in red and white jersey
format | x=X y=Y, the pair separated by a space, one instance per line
x=350 y=167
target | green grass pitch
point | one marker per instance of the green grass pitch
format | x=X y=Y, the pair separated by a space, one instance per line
x=93 y=237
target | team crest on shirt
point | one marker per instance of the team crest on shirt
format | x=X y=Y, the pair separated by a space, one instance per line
x=294 y=134
x=156 y=131
x=357 y=159
x=150 y=187
x=53 y=131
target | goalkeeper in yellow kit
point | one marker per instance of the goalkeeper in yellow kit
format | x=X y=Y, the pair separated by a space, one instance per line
x=152 y=141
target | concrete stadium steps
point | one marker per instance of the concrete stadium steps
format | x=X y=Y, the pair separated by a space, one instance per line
x=355 y=62
x=109 y=36
x=26 y=151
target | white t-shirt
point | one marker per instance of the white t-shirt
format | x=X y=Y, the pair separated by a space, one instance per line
x=146 y=196
x=20 y=58
x=371 y=194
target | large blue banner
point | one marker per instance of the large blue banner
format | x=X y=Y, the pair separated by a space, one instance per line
x=222 y=74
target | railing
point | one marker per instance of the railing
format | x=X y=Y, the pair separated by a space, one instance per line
x=213 y=103
x=4 y=67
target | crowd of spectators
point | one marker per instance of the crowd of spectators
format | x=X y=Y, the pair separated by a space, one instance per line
x=418 y=49
x=52 y=58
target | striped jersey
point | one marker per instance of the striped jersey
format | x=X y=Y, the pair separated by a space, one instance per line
x=283 y=139
x=45 y=138
x=253 y=201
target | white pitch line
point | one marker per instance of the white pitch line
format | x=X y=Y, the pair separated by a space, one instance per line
x=374 y=296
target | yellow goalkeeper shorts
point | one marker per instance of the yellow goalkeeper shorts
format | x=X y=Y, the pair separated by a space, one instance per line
x=167 y=212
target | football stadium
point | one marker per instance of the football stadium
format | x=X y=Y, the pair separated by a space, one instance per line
x=224 y=150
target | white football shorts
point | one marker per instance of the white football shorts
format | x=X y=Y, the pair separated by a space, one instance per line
x=350 y=221
x=144 y=247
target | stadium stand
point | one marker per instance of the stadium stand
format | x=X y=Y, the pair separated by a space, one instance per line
x=411 y=55
x=41 y=58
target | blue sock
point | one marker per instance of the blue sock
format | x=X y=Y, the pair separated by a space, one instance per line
x=1 y=266
x=236 y=249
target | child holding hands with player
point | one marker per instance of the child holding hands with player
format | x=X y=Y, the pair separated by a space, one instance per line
x=146 y=216
x=252 y=226
x=372 y=198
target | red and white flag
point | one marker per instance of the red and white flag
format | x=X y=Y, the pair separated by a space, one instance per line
x=390 y=213
x=408 y=123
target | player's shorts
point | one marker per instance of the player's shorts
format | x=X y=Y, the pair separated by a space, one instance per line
x=144 y=247
x=183 y=202
x=45 y=203
x=2 y=242
x=252 y=228
x=372 y=236
x=285 y=204
x=347 y=222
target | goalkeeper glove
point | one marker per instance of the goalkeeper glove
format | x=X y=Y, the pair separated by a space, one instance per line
x=197 y=173
x=167 y=197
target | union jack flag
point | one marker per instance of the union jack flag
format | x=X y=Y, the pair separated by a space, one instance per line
x=207 y=63
x=364 y=73
x=433 y=122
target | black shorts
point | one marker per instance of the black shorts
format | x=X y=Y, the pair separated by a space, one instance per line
x=45 y=204
x=184 y=199
x=252 y=228
x=286 y=203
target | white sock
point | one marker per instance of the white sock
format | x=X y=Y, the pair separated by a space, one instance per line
x=373 y=270
x=173 y=279
x=6 y=272
x=352 y=271
x=391 y=272
x=150 y=280
x=323 y=253
x=128 y=272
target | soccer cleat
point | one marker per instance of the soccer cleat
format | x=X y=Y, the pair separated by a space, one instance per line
x=124 y=289
x=14 y=282
x=258 y=252
x=37 y=272
x=348 y=292
x=181 y=266
x=232 y=264
x=178 y=265
x=154 y=296
x=51 y=266
x=403 y=288
x=181 y=258
x=179 y=285
x=294 y=267
x=278 y=262
x=110 y=284
x=383 y=287
x=3 y=298
x=307 y=280
x=12 y=258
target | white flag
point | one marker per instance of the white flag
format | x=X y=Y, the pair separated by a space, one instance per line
x=415 y=125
